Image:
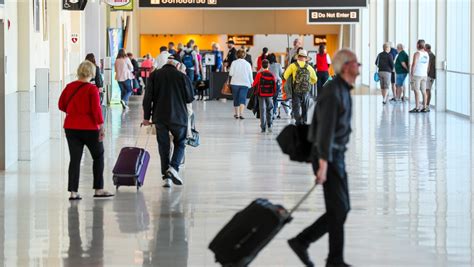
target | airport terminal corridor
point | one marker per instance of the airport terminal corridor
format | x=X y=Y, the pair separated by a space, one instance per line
x=410 y=181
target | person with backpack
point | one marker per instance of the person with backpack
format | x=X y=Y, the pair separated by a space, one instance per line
x=304 y=77
x=190 y=60
x=265 y=86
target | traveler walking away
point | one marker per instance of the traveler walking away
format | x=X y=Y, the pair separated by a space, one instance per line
x=165 y=104
x=265 y=87
x=248 y=57
x=84 y=127
x=292 y=54
x=124 y=76
x=231 y=55
x=394 y=53
x=162 y=58
x=263 y=56
x=199 y=62
x=323 y=62
x=171 y=49
x=241 y=79
x=277 y=71
x=146 y=68
x=329 y=133
x=97 y=79
x=136 y=72
x=190 y=60
x=402 y=68
x=431 y=76
x=419 y=76
x=218 y=58
x=384 y=63
x=304 y=77
x=178 y=53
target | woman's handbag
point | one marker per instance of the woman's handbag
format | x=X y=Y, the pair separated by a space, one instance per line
x=226 y=90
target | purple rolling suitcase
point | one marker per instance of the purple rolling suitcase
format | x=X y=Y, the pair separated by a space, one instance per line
x=131 y=166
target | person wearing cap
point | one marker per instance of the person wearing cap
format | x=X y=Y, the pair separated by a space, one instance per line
x=165 y=104
x=232 y=55
x=304 y=77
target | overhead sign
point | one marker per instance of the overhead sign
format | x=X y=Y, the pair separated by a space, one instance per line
x=115 y=3
x=246 y=40
x=127 y=7
x=333 y=16
x=247 y=4
x=319 y=40
x=74 y=5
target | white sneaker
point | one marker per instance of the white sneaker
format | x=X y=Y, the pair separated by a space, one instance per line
x=167 y=183
x=174 y=176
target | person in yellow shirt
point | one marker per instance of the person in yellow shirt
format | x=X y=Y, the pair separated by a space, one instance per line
x=304 y=77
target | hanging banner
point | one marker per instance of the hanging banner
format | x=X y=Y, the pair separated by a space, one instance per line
x=117 y=2
x=252 y=4
x=127 y=7
x=333 y=16
x=74 y=5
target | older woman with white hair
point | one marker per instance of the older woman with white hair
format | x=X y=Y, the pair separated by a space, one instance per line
x=84 y=127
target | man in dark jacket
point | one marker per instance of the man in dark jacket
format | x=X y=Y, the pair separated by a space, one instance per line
x=136 y=73
x=167 y=93
x=329 y=134
x=231 y=56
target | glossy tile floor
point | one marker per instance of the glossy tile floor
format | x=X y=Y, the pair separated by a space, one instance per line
x=410 y=181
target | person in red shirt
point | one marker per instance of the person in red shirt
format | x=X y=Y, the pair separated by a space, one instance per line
x=323 y=62
x=265 y=87
x=263 y=56
x=84 y=127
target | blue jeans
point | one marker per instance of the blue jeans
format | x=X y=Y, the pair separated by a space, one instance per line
x=125 y=90
x=275 y=98
x=239 y=94
x=190 y=74
x=179 y=141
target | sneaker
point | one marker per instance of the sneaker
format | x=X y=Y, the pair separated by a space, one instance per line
x=242 y=118
x=270 y=130
x=278 y=117
x=393 y=99
x=167 y=182
x=415 y=110
x=383 y=102
x=124 y=106
x=174 y=175
x=425 y=110
x=263 y=131
x=301 y=251
x=236 y=117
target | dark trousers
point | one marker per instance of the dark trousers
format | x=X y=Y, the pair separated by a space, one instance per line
x=300 y=107
x=266 y=109
x=125 y=90
x=275 y=98
x=179 y=141
x=336 y=197
x=323 y=77
x=76 y=140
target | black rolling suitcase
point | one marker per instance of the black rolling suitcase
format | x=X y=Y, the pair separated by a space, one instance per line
x=250 y=230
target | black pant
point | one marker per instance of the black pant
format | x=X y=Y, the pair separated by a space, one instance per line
x=164 y=146
x=336 y=196
x=323 y=77
x=300 y=107
x=76 y=139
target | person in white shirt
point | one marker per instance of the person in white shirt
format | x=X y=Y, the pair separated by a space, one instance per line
x=124 y=76
x=419 y=76
x=162 y=58
x=241 y=79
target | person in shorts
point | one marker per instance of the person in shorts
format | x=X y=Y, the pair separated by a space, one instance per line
x=419 y=76
x=401 y=69
x=385 y=66
x=431 y=75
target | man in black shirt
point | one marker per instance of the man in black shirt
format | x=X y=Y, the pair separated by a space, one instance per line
x=431 y=75
x=167 y=93
x=330 y=133
x=231 y=56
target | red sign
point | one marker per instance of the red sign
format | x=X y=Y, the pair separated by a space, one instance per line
x=74 y=38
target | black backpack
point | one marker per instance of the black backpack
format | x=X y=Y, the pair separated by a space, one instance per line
x=266 y=85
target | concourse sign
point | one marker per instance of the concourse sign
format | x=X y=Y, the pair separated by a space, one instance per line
x=333 y=16
x=253 y=4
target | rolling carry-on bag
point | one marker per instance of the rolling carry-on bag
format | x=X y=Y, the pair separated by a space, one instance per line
x=131 y=166
x=250 y=230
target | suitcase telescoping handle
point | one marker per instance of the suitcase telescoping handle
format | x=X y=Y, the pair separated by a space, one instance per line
x=147 y=136
x=303 y=199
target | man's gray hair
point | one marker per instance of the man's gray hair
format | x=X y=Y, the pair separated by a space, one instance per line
x=400 y=46
x=341 y=58
x=386 y=46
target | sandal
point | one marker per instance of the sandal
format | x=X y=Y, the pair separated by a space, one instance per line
x=104 y=194
x=77 y=197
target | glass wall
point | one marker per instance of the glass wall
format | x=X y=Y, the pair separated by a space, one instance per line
x=365 y=58
x=458 y=56
x=427 y=28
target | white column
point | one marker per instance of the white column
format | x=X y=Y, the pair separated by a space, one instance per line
x=55 y=64
x=373 y=41
x=472 y=62
x=441 y=54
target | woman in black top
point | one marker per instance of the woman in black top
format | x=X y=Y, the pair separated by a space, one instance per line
x=97 y=80
x=385 y=67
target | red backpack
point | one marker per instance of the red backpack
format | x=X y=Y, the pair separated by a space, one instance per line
x=266 y=85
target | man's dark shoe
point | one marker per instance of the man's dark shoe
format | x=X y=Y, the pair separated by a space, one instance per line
x=301 y=251
x=338 y=265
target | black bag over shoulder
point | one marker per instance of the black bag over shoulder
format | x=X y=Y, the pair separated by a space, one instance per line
x=293 y=141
